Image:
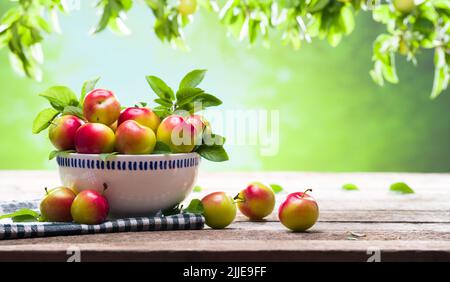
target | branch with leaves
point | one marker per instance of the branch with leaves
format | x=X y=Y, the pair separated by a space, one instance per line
x=411 y=27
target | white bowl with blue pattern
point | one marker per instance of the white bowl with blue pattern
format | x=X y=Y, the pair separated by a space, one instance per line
x=137 y=184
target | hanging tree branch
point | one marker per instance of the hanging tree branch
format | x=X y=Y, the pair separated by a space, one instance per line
x=411 y=26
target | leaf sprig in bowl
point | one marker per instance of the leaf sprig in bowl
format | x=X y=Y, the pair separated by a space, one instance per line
x=96 y=123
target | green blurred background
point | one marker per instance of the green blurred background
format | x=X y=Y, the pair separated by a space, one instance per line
x=333 y=117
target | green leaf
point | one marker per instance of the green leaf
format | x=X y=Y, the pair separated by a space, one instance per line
x=161 y=111
x=347 y=19
x=213 y=139
x=43 y=24
x=208 y=100
x=424 y=26
x=187 y=94
x=160 y=88
x=350 y=187
x=401 y=187
x=108 y=156
x=318 y=5
x=176 y=209
x=389 y=69
x=60 y=97
x=441 y=73
x=383 y=14
x=88 y=86
x=22 y=215
x=105 y=18
x=334 y=38
x=163 y=102
x=197 y=189
x=276 y=188
x=74 y=111
x=192 y=79
x=54 y=154
x=161 y=148
x=44 y=119
x=141 y=105
x=195 y=207
x=214 y=153
x=442 y=4
x=200 y=102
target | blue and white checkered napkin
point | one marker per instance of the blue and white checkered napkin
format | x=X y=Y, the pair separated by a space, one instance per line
x=10 y=230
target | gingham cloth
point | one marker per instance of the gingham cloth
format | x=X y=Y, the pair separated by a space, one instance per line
x=10 y=230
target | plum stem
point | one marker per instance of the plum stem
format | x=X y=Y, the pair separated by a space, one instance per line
x=238 y=199
x=304 y=193
x=105 y=187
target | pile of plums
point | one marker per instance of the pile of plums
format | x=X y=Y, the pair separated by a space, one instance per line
x=106 y=128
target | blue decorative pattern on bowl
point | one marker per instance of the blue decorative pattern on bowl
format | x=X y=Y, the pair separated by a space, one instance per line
x=127 y=165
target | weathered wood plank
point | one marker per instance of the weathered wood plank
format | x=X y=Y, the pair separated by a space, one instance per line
x=263 y=231
x=236 y=250
x=403 y=227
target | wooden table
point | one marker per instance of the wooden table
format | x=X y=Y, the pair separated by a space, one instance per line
x=391 y=226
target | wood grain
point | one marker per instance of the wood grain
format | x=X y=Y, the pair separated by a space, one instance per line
x=403 y=227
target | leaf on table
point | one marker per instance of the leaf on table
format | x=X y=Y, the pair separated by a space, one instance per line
x=350 y=187
x=357 y=235
x=197 y=189
x=402 y=188
x=22 y=215
x=195 y=207
x=276 y=188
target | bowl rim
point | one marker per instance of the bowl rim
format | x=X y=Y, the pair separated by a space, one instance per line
x=143 y=156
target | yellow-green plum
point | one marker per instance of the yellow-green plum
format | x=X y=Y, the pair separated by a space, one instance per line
x=404 y=6
x=219 y=210
x=179 y=135
x=134 y=138
x=89 y=207
x=144 y=116
x=202 y=126
x=94 y=138
x=113 y=126
x=256 y=201
x=299 y=211
x=187 y=7
x=101 y=106
x=56 y=205
x=62 y=132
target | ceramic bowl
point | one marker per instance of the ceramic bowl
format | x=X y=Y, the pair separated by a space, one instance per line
x=137 y=184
